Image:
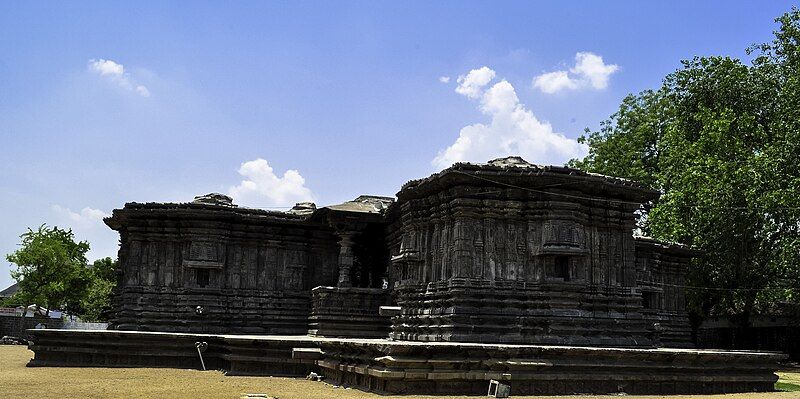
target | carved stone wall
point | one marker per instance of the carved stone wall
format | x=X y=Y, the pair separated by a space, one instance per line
x=348 y=312
x=661 y=272
x=501 y=252
x=485 y=253
x=205 y=268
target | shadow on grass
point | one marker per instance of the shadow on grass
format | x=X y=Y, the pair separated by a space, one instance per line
x=787 y=387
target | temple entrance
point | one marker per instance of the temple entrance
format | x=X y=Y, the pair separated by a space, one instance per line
x=370 y=258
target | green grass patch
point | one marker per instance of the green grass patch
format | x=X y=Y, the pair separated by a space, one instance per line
x=787 y=387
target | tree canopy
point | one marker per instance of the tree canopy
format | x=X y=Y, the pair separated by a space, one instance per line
x=52 y=272
x=721 y=140
x=96 y=302
x=50 y=268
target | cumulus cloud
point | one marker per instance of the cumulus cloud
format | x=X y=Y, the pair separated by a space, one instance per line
x=115 y=72
x=444 y=79
x=472 y=84
x=591 y=67
x=261 y=187
x=552 y=82
x=87 y=224
x=512 y=130
x=589 y=71
x=84 y=216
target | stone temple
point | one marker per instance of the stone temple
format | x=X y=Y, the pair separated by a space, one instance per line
x=505 y=270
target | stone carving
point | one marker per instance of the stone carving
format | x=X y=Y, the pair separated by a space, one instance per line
x=303 y=208
x=506 y=251
x=566 y=275
x=478 y=254
x=214 y=199
x=512 y=161
x=204 y=251
x=565 y=234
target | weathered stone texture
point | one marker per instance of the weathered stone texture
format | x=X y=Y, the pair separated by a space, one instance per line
x=421 y=367
x=661 y=276
x=348 y=312
x=250 y=271
x=444 y=368
x=516 y=253
x=16 y=326
x=472 y=266
x=500 y=252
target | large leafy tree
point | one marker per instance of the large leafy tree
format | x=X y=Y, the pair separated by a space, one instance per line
x=721 y=140
x=97 y=302
x=50 y=269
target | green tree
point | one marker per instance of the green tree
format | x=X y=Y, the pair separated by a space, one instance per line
x=96 y=304
x=50 y=269
x=721 y=140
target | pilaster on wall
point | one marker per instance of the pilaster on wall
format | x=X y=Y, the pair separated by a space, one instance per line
x=346 y=241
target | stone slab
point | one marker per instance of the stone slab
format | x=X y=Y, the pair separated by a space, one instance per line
x=405 y=367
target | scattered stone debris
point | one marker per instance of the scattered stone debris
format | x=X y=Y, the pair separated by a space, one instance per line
x=315 y=377
x=9 y=340
x=215 y=199
x=498 y=389
x=257 y=396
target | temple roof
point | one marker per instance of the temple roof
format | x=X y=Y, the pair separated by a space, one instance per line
x=221 y=207
x=513 y=171
x=209 y=206
x=364 y=204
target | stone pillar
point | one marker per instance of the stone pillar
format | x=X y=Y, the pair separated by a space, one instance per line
x=345 y=259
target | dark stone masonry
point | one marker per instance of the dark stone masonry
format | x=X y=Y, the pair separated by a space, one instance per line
x=506 y=270
x=515 y=253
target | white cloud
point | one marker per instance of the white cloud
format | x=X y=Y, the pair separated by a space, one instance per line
x=107 y=67
x=86 y=216
x=263 y=188
x=512 y=130
x=591 y=67
x=554 y=81
x=589 y=71
x=142 y=91
x=444 y=79
x=115 y=72
x=87 y=224
x=471 y=84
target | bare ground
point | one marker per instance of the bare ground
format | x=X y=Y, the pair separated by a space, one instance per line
x=18 y=381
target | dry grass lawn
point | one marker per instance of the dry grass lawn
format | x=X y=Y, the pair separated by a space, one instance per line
x=18 y=381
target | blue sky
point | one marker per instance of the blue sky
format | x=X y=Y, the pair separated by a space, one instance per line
x=102 y=104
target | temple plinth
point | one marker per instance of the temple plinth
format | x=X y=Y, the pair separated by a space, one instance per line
x=504 y=270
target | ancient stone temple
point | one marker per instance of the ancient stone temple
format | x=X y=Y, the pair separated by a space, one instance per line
x=500 y=252
x=502 y=271
x=515 y=253
x=210 y=266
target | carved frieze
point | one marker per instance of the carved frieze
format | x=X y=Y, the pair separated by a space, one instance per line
x=561 y=237
x=204 y=254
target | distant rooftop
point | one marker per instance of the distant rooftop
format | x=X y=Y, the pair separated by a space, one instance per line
x=9 y=291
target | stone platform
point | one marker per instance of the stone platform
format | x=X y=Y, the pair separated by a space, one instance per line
x=235 y=354
x=403 y=367
x=348 y=312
